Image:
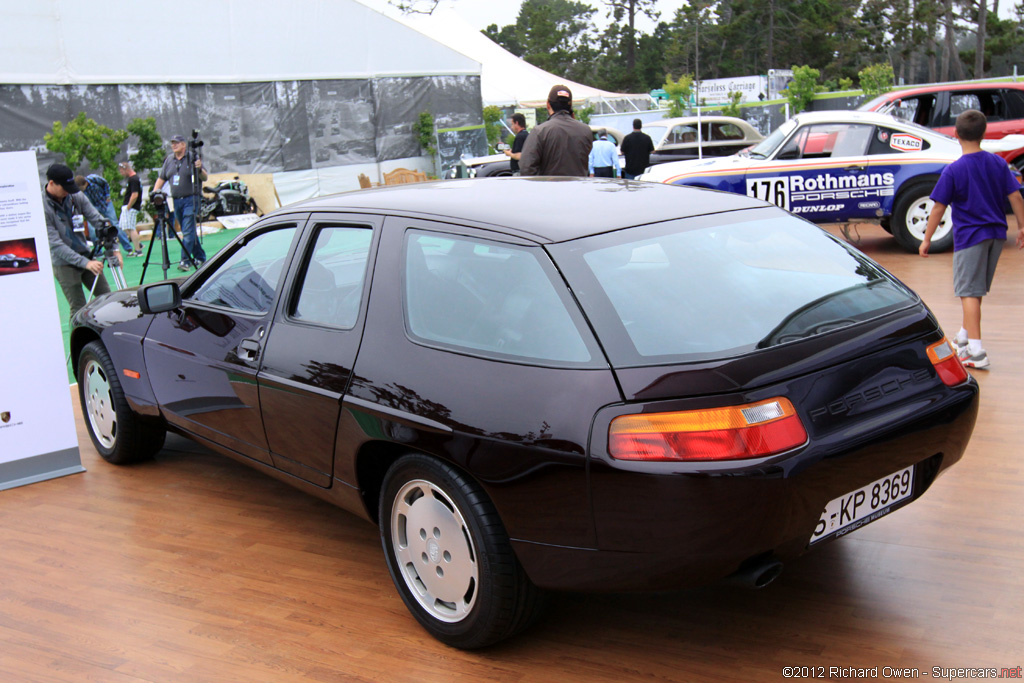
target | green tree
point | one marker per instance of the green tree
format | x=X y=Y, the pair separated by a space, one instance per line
x=150 y=153
x=554 y=35
x=492 y=115
x=876 y=79
x=803 y=87
x=84 y=139
x=678 y=92
x=733 y=107
x=624 y=13
x=424 y=129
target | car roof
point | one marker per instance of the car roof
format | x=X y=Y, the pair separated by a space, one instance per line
x=846 y=116
x=716 y=118
x=541 y=209
x=943 y=87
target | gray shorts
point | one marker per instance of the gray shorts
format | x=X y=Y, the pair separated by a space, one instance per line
x=974 y=268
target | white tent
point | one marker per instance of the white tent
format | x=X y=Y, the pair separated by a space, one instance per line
x=212 y=41
x=313 y=91
x=504 y=78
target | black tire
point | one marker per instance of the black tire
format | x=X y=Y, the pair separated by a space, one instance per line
x=450 y=557
x=120 y=436
x=910 y=216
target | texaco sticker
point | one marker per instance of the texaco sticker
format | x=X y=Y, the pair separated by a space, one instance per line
x=906 y=143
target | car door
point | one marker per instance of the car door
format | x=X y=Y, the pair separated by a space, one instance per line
x=312 y=346
x=816 y=172
x=203 y=357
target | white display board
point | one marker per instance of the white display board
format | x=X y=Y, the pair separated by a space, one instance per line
x=717 y=90
x=37 y=423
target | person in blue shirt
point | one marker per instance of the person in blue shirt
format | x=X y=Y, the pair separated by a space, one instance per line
x=977 y=185
x=604 y=157
x=97 y=190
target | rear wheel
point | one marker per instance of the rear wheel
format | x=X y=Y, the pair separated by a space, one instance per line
x=120 y=436
x=910 y=218
x=450 y=557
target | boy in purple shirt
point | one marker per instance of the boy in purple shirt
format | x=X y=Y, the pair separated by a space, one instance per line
x=977 y=185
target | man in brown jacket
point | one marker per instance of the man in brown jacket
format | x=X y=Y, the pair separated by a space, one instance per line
x=561 y=145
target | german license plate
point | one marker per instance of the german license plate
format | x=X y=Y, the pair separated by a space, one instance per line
x=863 y=506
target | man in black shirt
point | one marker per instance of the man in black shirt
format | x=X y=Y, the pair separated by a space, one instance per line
x=518 y=124
x=131 y=205
x=636 y=148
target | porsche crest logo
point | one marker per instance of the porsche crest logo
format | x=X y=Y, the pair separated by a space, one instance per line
x=5 y=417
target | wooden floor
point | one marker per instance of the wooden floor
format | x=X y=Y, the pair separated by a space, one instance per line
x=195 y=568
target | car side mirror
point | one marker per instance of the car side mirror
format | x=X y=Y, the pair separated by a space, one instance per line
x=159 y=297
x=791 y=153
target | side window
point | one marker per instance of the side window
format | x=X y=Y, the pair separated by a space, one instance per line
x=494 y=299
x=332 y=283
x=681 y=135
x=889 y=141
x=248 y=280
x=959 y=102
x=919 y=110
x=828 y=140
x=1014 y=103
x=726 y=131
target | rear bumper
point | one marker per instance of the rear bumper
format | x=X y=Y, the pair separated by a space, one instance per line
x=665 y=531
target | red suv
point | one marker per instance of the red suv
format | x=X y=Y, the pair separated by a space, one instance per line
x=937 y=106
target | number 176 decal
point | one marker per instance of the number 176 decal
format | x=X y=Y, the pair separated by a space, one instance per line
x=774 y=190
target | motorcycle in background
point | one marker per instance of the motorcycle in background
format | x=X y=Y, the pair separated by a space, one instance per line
x=229 y=198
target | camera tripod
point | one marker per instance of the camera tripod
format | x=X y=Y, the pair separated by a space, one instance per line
x=162 y=224
x=107 y=259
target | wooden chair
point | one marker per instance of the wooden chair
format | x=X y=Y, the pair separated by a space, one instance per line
x=403 y=175
x=364 y=181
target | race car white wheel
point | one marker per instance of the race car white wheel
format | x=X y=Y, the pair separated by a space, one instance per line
x=450 y=557
x=910 y=218
x=120 y=435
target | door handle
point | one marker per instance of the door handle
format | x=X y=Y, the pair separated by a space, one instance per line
x=855 y=168
x=248 y=349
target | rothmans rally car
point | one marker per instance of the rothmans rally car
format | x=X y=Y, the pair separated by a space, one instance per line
x=836 y=167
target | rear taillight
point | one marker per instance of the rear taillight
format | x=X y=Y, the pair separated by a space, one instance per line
x=943 y=356
x=748 y=431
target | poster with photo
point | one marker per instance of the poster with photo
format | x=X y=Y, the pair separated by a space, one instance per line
x=37 y=423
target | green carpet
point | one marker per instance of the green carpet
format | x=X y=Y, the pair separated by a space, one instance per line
x=154 y=273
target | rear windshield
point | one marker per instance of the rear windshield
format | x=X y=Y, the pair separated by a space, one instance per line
x=721 y=285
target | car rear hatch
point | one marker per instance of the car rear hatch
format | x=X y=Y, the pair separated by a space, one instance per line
x=754 y=345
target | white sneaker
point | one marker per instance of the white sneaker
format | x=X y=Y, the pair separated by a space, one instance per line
x=978 y=361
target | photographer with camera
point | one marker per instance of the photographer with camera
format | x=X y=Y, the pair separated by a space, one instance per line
x=185 y=188
x=73 y=263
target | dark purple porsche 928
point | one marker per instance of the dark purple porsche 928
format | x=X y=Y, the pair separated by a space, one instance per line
x=544 y=383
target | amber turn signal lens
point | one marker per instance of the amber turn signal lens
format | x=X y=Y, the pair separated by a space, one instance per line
x=732 y=433
x=947 y=364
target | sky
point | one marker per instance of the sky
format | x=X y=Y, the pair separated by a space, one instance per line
x=482 y=13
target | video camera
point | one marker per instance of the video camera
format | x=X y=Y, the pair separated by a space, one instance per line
x=195 y=143
x=105 y=238
x=159 y=201
x=106 y=232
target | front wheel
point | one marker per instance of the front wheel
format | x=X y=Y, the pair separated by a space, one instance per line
x=910 y=218
x=450 y=557
x=120 y=436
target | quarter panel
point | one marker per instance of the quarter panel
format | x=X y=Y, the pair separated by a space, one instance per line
x=521 y=431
